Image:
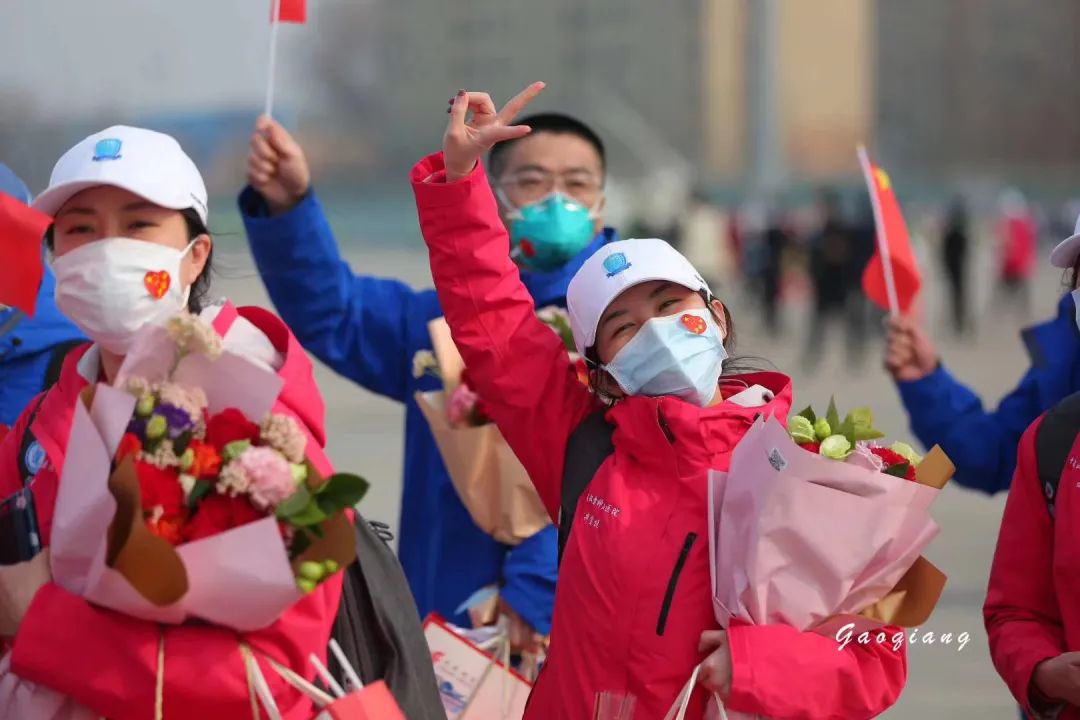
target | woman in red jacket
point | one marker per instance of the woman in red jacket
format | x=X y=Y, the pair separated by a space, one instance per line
x=633 y=612
x=130 y=247
x=1032 y=614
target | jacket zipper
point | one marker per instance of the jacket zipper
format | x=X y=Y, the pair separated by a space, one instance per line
x=669 y=596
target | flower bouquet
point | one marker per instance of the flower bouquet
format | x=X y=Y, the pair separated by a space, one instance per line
x=487 y=476
x=184 y=496
x=824 y=527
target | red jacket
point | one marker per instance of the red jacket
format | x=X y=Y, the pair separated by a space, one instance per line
x=1031 y=611
x=107 y=661
x=633 y=595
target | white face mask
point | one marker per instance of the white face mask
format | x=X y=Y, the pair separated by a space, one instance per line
x=111 y=288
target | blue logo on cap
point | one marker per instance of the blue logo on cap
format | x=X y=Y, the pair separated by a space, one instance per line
x=107 y=150
x=34 y=459
x=615 y=264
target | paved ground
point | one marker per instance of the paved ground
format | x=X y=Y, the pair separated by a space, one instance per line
x=366 y=435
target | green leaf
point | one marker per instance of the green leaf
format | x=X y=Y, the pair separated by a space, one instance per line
x=809 y=414
x=341 y=491
x=847 y=429
x=316 y=530
x=833 y=415
x=295 y=503
x=868 y=434
x=180 y=444
x=899 y=470
x=301 y=542
x=202 y=489
x=311 y=515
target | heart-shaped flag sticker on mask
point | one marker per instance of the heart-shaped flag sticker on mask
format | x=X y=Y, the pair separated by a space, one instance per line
x=157 y=283
x=694 y=324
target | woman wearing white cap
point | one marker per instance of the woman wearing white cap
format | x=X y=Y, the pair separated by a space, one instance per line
x=130 y=247
x=983 y=443
x=633 y=613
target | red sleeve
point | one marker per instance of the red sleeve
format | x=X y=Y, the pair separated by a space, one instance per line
x=1022 y=617
x=519 y=365
x=778 y=671
x=108 y=662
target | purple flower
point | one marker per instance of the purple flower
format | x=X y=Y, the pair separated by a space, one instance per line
x=137 y=427
x=177 y=419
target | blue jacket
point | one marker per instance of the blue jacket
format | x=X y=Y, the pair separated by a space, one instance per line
x=983 y=444
x=369 y=329
x=26 y=348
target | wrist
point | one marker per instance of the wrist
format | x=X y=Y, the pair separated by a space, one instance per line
x=1039 y=694
x=455 y=174
x=277 y=208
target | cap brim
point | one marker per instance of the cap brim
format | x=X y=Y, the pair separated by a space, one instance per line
x=640 y=281
x=1065 y=254
x=50 y=201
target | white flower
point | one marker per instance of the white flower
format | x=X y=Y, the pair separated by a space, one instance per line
x=424 y=362
x=187 y=482
x=193 y=335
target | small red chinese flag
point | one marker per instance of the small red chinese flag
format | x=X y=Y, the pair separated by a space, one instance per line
x=891 y=279
x=21 y=231
x=289 y=11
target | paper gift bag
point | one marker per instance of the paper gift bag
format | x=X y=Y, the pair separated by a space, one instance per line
x=374 y=702
x=473 y=684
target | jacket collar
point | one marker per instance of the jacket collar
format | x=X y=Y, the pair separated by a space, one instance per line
x=549 y=288
x=666 y=433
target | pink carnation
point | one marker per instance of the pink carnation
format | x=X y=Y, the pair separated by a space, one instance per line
x=863 y=457
x=462 y=404
x=271 y=478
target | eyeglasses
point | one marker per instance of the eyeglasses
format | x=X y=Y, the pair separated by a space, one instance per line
x=528 y=186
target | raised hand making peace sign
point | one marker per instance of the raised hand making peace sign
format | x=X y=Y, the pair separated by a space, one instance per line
x=467 y=139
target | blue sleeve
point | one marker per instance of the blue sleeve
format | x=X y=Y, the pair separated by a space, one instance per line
x=981 y=444
x=529 y=574
x=355 y=324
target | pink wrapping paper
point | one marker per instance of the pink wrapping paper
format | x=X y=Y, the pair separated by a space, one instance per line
x=797 y=538
x=240 y=579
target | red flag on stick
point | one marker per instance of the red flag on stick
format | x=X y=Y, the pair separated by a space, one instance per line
x=290 y=11
x=21 y=230
x=891 y=279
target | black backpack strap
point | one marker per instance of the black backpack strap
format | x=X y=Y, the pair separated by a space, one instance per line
x=26 y=474
x=56 y=360
x=1054 y=441
x=588 y=447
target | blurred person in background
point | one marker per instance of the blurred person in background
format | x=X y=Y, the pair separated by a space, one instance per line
x=1018 y=245
x=369 y=329
x=704 y=235
x=777 y=239
x=32 y=350
x=955 y=256
x=943 y=411
x=832 y=257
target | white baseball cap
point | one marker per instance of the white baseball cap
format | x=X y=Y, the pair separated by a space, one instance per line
x=614 y=269
x=1065 y=254
x=149 y=164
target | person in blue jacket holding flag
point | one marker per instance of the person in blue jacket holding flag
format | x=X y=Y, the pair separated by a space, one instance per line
x=983 y=444
x=370 y=329
x=31 y=349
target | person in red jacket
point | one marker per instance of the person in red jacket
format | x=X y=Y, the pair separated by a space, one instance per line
x=130 y=247
x=633 y=609
x=1031 y=613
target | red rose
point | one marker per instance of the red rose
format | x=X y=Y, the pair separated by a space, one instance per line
x=812 y=447
x=479 y=415
x=892 y=458
x=160 y=487
x=229 y=426
x=129 y=444
x=218 y=513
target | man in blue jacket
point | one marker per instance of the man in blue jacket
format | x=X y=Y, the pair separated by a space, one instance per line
x=370 y=329
x=31 y=350
x=945 y=412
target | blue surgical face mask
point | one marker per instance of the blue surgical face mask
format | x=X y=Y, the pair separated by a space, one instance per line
x=549 y=233
x=681 y=355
